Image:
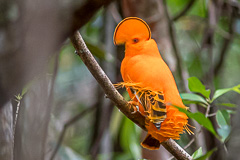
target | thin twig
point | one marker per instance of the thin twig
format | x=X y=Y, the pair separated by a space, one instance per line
x=225 y=148
x=115 y=14
x=181 y=68
x=208 y=39
x=16 y=117
x=65 y=127
x=189 y=143
x=97 y=142
x=207 y=110
x=184 y=11
x=211 y=115
x=234 y=5
x=116 y=97
x=16 y=120
x=226 y=44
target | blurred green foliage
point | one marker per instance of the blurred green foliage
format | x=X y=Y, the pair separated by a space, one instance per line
x=203 y=157
x=222 y=116
x=76 y=89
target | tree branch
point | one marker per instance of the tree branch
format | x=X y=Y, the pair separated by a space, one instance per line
x=234 y=5
x=116 y=97
x=104 y=81
x=181 y=68
x=226 y=44
x=176 y=150
x=184 y=11
x=6 y=132
x=65 y=127
x=90 y=7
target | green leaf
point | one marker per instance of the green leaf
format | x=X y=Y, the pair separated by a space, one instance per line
x=195 y=85
x=24 y=91
x=231 y=105
x=223 y=118
x=220 y=92
x=199 y=9
x=231 y=111
x=208 y=154
x=193 y=97
x=115 y=121
x=201 y=119
x=224 y=132
x=198 y=153
x=26 y=87
x=18 y=97
x=176 y=6
x=129 y=139
x=237 y=89
x=67 y=153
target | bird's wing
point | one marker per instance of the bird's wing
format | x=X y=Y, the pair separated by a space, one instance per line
x=152 y=102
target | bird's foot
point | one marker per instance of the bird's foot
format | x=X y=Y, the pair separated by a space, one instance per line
x=134 y=106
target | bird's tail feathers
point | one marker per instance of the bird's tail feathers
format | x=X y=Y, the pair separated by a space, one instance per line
x=151 y=143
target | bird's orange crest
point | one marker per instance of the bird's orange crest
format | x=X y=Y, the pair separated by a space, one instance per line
x=129 y=28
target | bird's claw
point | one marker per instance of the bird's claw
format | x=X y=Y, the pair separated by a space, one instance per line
x=134 y=106
x=136 y=109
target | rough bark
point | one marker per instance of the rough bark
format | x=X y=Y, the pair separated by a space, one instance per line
x=32 y=125
x=6 y=132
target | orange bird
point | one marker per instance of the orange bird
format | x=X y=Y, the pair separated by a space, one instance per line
x=150 y=83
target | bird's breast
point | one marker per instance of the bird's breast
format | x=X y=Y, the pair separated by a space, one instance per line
x=146 y=70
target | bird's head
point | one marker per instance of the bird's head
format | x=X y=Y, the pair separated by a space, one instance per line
x=131 y=30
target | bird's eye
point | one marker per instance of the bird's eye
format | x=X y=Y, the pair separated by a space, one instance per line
x=135 y=40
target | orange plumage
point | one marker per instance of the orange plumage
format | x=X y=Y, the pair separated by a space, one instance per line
x=150 y=83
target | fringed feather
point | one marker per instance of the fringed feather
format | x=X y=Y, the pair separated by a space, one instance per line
x=152 y=102
x=166 y=121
